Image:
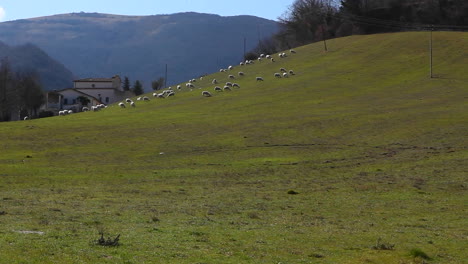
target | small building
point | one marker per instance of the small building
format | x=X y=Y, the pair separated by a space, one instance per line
x=96 y=90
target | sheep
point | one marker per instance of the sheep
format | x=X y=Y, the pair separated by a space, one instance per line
x=268 y=56
x=229 y=84
x=85 y=109
x=235 y=85
x=160 y=95
x=201 y=78
x=70 y=111
x=241 y=63
x=282 y=70
x=145 y=98
x=193 y=80
x=206 y=94
x=230 y=67
x=170 y=88
x=155 y=94
x=231 y=77
x=227 y=88
x=291 y=72
x=179 y=87
x=214 y=81
x=133 y=104
x=26 y=118
x=259 y=59
x=285 y=75
x=122 y=105
x=61 y=113
x=259 y=79
x=272 y=60
x=139 y=99
x=292 y=51
x=218 y=89
x=277 y=75
x=94 y=108
x=128 y=100
x=262 y=55
x=170 y=94
x=241 y=73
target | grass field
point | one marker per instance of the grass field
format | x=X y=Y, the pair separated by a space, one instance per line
x=358 y=152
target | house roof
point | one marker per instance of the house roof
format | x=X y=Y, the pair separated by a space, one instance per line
x=75 y=90
x=95 y=80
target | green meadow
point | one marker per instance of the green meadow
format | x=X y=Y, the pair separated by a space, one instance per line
x=360 y=157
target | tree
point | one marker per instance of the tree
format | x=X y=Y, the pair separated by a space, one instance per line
x=138 y=88
x=126 y=84
x=158 y=84
x=84 y=101
x=7 y=94
x=29 y=89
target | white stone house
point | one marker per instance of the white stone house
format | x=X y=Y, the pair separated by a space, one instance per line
x=97 y=90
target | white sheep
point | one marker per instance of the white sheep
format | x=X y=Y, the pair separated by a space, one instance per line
x=94 y=108
x=291 y=72
x=259 y=59
x=122 y=105
x=268 y=56
x=292 y=51
x=277 y=75
x=259 y=79
x=285 y=75
x=206 y=94
x=241 y=73
x=235 y=85
x=282 y=70
x=229 y=84
x=61 y=113
x=26 y=118
x=128 y=100
x=230 y=67
x=227 y=88
x=231 y=76
x=160 y=95
x=145 y=98
x=242 y=63
x=262 y=55
x=85 y=109
x=218 y=89
x=139 y=99
x=170 y=94
x=272 y=60
x=133 y=104
x=179 y=87
x=214 y=81
x=70 y=111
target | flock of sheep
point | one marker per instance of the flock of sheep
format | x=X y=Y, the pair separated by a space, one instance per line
x=228 y=86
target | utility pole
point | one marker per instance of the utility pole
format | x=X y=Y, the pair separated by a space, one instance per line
x=165 y=78
x=245 y=47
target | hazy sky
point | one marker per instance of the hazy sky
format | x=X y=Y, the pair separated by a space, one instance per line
x=19 y=9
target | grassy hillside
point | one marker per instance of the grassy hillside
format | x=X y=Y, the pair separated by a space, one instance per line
x=359 y=149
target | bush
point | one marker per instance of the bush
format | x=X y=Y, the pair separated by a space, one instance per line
x=418 y=253
x=43 y=114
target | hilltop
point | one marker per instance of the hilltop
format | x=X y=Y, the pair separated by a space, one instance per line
x=101 y=45
x=359 y=157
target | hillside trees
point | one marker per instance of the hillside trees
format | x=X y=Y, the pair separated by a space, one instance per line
x=157 y=84
x=19 y=92
x=126 y=84
x=138 y=88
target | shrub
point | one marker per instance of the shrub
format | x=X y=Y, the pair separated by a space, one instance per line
x=418 y=253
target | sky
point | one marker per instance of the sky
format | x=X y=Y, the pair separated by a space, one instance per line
x=22 y=9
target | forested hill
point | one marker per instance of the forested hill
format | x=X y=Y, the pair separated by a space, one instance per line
x=101 y=45
x=30 y=58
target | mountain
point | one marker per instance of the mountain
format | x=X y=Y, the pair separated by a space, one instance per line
x=102 y=45
x=28 y=57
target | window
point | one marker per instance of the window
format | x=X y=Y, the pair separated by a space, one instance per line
x=65 y=101
x=107 y=100
x=93 y=85
x=74 y=101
